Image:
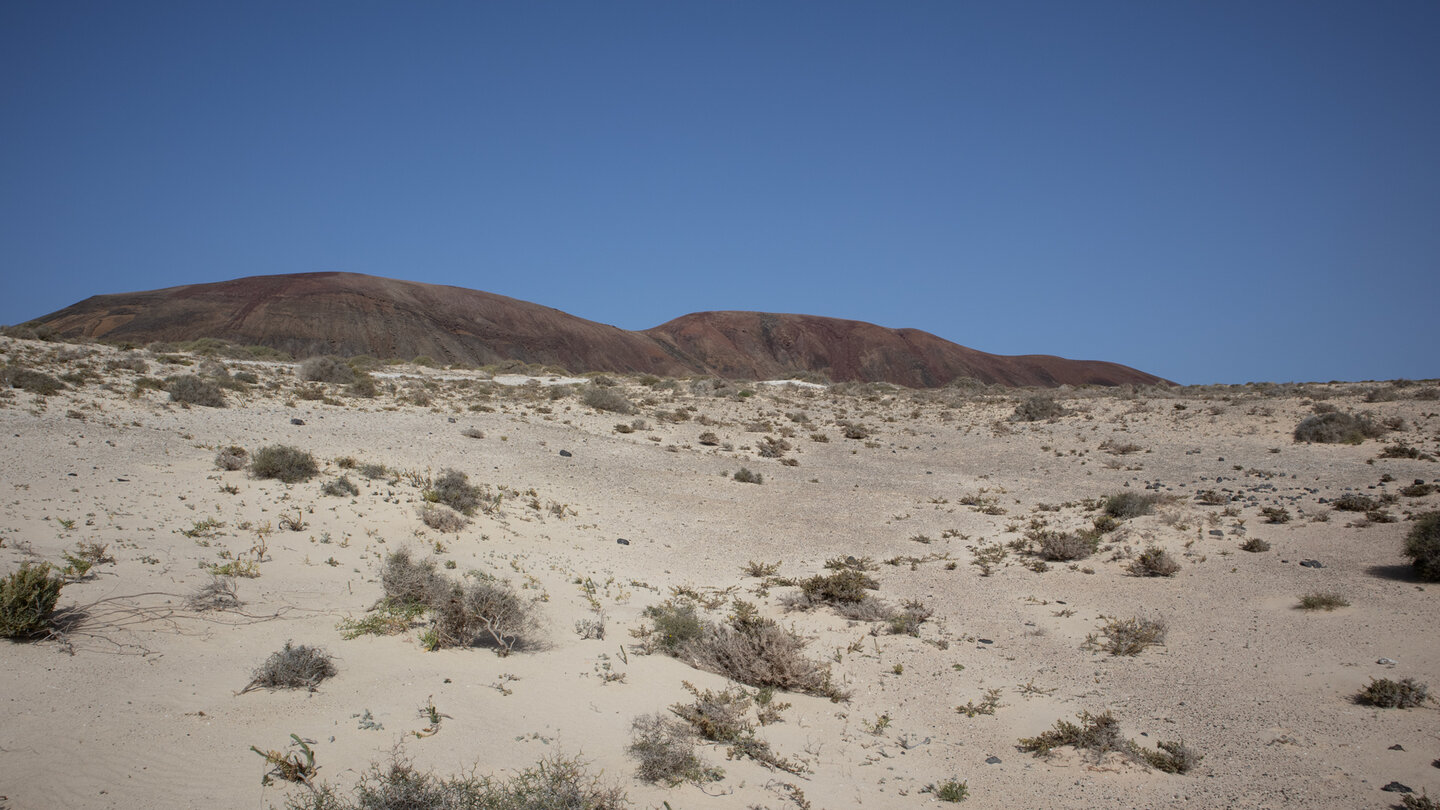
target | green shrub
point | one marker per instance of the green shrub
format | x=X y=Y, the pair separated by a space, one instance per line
x=1337 y=427
x=190 y=389
x=325 y=368
x=293 y=667
x=1275 y=514
x=1422 y=546
x=284 y=463
x=1125 y=505
x=846 y=585
x=1321 y=600
x=1099 y=734
x=951 y=790
x=27 y=600
x=1128 y=636
x=674 y=624
x=1387 y=694
x=28 y=380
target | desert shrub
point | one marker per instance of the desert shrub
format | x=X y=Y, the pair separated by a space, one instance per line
x=1099 y=734
x=246 y=377
x=30 y=381
x=1355 y=502
x=473 y=433
x=845 y=585
x=1387 y=694
x=370 y=472
x=602 y=398
x=1422 y=546
x=1419 y=489
x=1058 y=547
x=1154 y=562
x=759 y=652
x=1275 y=514
x=745 y=476
x=453 y=488
x=1320 y=600
x=1173 y=757
x=721 y=717
x=709 y=439
x=555 y=783
x=407 y=582
x=1410 y=801
x=442 y=518
x=284 y=463
x=1036 y=408
x=1337 y=427
x=293 y=667
x=1254 y=544
x=190 y=389
x=1402 y=450
x=231 y=458
x=664 y=747
x=770 y=447
x=854 y=430
x=951 y=790
x=1125 y=505
x=1128 y=636
x=486 y=611
x=341 y=487
x=325 y=368
x=27 y=600
x=129 y=362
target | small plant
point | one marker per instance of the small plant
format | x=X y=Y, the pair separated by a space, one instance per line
x=341 y=487
x=1254 y=545
x=664 y=747
x=1128 y=636
x=292 y=667
x=1422 y=546
x=190 y=389
x=1058 y=547
x=760 y=569
x=1154 y=562
x=217 y=594
x=1422 y=802
x=951 y=790
x=986 y=706
x=745 y=476
x=231 y=458
x=453 y=488
x=1387 y=694
x=1317 y=600
x=325 y=368
x=847 y=585
x=27 y=600
x=606 y=399
x=283 y=463
x=442 y=518
x=296 y=766
x=709 y=439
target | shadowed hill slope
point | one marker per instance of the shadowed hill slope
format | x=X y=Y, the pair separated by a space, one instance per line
x=350 y=313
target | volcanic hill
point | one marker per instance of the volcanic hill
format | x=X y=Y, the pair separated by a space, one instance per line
x=349 y=314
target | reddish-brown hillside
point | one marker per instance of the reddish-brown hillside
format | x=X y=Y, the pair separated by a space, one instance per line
x=763 y=345
x=349 y=314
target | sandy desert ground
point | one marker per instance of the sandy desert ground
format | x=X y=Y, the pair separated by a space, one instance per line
x=137 y=698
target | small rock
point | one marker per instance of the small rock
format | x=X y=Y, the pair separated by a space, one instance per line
x=1396 y=787
x=1216 y=533
x=565 y=454
x=452 y=420
x=296 y=421
x=985 y=641
x=622 y=541
x=1397 y=747
x=992 y=760
x=1389 y=662
x=1312 y=564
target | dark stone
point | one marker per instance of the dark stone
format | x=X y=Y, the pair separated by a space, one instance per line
x=565 y=454
x=986 y=641
x=1312 y=563
x=296 y=421
x=451 y=420
x=622 y=541
x=1397 y=747
x=1216 y=533
x=1396 y=787
x=992 y=760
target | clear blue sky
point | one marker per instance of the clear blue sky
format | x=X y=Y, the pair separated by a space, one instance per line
x=1209 y=191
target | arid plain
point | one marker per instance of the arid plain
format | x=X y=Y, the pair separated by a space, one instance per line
x=607 y=523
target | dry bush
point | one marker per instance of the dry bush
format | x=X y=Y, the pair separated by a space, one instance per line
x=1320 y=600
x=1099 y=734
x=601 y=398
x=1128 y=636
x=453 y=488
x=1037 y=408
x=759 y=652
x=192 y=390
x=442 y=518
x=1125 y=505
x=664 y=747
x=1154 y=562
x=284 y=463
x=407 y=582
x=27 y=600
x=293 y=667
x=1254 y=544
x=555 y=783
x=485 y=612
x=845 y=585
x=341 y=487
x=325 y=368
x=1058 y=547
x=709 y=439
x=217 y=594
x=29 y=380
x=745 y=476
x=1336 y=427
x=232 y=458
